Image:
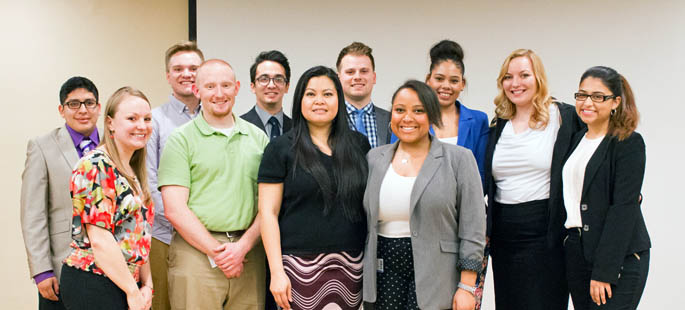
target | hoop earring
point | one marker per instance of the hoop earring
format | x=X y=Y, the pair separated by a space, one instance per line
x=613 y=111
x=111 y=133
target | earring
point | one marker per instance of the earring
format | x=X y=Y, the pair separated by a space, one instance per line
x=111 y=133
x=613 y=111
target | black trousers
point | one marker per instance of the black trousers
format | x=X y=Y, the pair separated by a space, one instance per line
x=527 y=273
x=47 y=304
x=626 y=293
x=81 y=290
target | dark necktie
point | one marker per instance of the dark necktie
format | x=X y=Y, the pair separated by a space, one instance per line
x=275 y=130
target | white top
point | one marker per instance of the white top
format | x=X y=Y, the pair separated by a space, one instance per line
x=573 y=176
x=450 y=140
x=393 y=208
x=522 y=161
x=226 y=131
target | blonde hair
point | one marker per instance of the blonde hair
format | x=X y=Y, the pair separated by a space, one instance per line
x=506 y=109
x=185 y=46
x=137 y=161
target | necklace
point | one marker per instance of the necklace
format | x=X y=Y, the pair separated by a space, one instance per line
x=404 y=161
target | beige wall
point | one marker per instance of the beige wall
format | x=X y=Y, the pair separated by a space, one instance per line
x=644 y=40
x=114 y=43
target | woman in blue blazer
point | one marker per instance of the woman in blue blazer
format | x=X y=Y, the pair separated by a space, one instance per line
x=460 y=125
x=607 y=244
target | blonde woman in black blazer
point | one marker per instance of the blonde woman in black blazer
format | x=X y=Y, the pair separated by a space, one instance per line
x=430 y=257
x=607 y=246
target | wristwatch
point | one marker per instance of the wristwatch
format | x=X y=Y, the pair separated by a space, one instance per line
x=468 y=288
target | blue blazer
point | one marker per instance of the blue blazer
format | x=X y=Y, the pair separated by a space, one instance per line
x=473 y=134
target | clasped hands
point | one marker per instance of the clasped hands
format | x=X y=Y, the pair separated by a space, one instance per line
x=230 y=257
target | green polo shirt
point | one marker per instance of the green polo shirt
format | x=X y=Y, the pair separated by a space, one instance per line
x=220 y=171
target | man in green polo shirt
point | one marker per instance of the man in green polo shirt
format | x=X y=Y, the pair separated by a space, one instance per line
x=207 y=175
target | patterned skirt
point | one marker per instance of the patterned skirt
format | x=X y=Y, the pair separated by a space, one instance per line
x=328 y=281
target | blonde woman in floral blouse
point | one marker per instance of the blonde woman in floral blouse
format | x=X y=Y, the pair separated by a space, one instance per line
x=112 y=216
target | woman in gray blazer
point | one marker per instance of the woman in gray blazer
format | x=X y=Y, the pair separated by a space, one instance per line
x=425 y=213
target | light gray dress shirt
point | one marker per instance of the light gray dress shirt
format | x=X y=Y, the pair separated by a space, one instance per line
x=165 y=119
x=264 y=116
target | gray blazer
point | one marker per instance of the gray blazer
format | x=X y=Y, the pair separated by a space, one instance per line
x=46 y=201
x=447 y=221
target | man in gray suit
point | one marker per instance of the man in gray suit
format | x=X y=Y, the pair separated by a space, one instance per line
x=46 y=207
x=357 y=73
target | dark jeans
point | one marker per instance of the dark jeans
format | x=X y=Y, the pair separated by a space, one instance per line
x=527 y=273
x=86 y=290
x=47 y=304
x=626 y=293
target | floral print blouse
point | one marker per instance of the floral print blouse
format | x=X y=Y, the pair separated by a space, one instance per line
x=101 y=196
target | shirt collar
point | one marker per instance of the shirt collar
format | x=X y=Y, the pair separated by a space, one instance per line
x=367 y=109
x=239 y=125
x=264 y=116
x=77 y=137
x=180 y=107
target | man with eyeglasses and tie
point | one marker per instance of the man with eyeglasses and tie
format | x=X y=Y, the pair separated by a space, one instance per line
x=46 y=206
x=181 y=63
x=357 y=73
x=270 y=76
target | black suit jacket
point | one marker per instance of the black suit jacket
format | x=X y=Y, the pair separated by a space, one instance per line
x=252 y=117
x=613 y=225
x=570 y=124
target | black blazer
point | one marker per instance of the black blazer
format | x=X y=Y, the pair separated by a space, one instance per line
x=252 y=117
x=613 y=226
x=570 y=124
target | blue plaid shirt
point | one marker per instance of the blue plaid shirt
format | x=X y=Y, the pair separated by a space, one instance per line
x=369 y=119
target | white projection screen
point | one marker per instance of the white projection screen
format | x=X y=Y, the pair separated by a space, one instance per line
x=643 y=40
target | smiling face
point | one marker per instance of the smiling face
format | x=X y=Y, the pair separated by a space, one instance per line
x=131 y=125
x=519 y=83
x=447 y=80
x=181 y=73
x=320 y=102
x=82 y=120
x=216 y=87
x=595 y=114
x=409 y=120
x=357 y=77
x=270 y=94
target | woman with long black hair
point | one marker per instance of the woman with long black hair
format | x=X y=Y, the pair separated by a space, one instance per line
x=311 y=185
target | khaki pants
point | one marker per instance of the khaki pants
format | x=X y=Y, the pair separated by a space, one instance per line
x=159 y=265
x=194 y=284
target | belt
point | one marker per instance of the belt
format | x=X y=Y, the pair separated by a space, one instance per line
x=230 y=234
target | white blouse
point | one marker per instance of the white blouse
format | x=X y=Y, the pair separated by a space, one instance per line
x=522 y=161
x=393 y=207
x=573 y=176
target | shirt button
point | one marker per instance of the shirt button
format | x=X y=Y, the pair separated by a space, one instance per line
x=586 y=227
x=583 y=207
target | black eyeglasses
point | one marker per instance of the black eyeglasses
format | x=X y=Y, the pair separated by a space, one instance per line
x=264 y=80
x=597 y=98
x=75 y=104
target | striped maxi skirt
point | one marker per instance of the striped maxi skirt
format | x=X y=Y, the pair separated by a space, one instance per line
x=328 y=281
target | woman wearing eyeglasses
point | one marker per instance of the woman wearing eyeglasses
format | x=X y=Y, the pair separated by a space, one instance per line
x=527 y=144
x=112 y=214
x=607 y=244
x=311 y=185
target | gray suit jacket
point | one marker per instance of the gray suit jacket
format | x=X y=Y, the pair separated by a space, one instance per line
x=447 y=221
x=46 y=201
x=382 y=125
